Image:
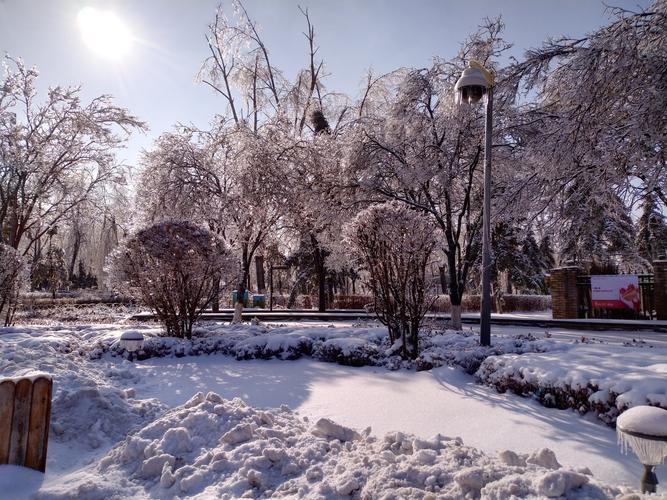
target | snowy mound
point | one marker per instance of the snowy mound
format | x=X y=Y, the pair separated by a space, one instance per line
x=93 y=403
x=216 y=448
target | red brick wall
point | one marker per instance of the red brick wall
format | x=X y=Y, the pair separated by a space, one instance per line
x=564 y=299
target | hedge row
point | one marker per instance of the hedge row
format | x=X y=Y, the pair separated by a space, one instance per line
x=562 y=397
x=471 y=303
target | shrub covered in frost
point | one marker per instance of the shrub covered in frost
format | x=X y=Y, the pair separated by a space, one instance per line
x=12 y=274
x=173 y=267
x=395 y=245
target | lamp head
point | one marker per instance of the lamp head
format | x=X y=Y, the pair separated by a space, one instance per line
x=131 y=341
x=473 y=84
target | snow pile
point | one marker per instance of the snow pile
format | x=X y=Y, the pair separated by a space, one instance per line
x=93 y=403
x=216 y=448
x=606 y=379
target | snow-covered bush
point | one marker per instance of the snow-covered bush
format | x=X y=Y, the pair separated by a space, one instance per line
x=12 y=270
x=581 y=378
x=172 y=267
x=395 y=245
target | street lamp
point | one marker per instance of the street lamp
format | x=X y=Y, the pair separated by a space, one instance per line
x=131 y=341
x=644 y=429
x=476 y=82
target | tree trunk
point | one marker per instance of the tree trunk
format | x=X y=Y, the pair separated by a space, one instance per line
x=295 y=289
x=331 y=291
x=240 y=290
x=321 y=275
x=321 y=282
x=238 y=307
x=456 y=317
x=455 y=293
x=215 y=301
x=75 y=254
x=508 y=283
x=443 y=279
x=259 y=270
x=414 y=332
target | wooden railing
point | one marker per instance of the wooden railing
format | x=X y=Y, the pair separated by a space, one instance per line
x=25 y=413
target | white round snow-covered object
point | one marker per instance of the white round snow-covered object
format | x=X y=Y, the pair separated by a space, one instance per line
x=132 y=340
x=644 y=429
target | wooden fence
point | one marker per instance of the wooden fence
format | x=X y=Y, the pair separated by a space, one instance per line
x=25 y=414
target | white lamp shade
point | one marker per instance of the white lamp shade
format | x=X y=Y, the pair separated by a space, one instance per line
x=131 y=340
x=644 y=429
x=471 y=77
x=471 y=86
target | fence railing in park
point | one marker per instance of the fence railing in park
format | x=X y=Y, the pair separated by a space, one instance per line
x=25 y=414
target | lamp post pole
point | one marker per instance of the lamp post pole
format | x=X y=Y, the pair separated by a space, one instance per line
x=475 y=82
x=485 y=313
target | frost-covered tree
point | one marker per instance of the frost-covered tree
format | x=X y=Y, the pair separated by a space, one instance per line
x=171 y=266
x=520 y=262
x=316 y=204
x=12 y=277
x=598 y=119
x=418 y=147
x=54 y=154
x=50 y=272
x=217 y=179
x=596 y=228
x=395 y=245
x=651 y=231
x=276 y=115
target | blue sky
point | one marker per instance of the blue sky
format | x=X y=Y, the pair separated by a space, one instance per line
x=156 y=79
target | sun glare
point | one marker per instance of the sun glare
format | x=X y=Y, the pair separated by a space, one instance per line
x=103 y=32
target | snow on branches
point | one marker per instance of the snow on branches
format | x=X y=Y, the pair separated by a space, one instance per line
x=54 y=155
x=174 y=268
x=395 y=245
x=12 y=276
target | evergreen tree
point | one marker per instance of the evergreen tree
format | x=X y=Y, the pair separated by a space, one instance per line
x=596 y=228
x=530 y=277
x=520 y=262
x=547 y=253
x=651 y=230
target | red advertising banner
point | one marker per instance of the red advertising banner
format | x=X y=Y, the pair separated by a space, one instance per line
x=619 y=291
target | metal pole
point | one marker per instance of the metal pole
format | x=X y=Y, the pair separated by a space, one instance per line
x=485 y=314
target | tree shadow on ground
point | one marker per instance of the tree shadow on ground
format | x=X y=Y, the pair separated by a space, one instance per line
x=591 y=435
x=260 y=383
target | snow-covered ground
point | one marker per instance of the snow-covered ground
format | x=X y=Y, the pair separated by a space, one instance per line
x=107 y=402
x=654 y=338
